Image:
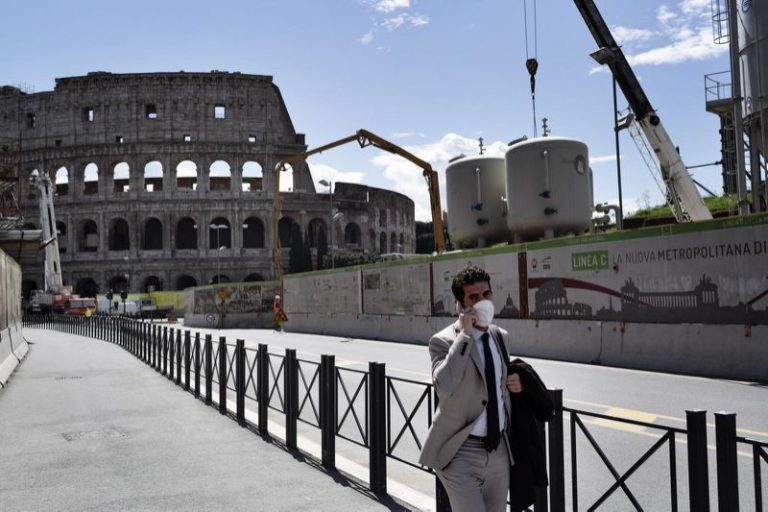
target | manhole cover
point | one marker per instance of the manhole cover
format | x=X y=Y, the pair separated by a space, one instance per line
x=107 y=433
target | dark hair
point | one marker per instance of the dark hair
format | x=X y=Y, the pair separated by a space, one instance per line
x=468 y=275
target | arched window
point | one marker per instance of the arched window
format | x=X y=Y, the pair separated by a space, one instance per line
x=253 y=233
x=118 y=284
x=220 y=278
x=91 y=179
x=186 y=175
x=250 y=278
x=352 y=234
x=253 y=176
x=153 y=176
x=89 y=236
x=371 y=240
x=393 y=242
x=382 y=243
x=119 y=235
x=153 y=234
x=121 y=175
x=61 y=234
x=220 y=176
x=402 y=243
x=186 y=234
x=219 y=233
x=185 y=281
x=286 y=178
x=317 y=230
x=152 y=284
x=284 y=228
x=86 y=287
x=383 y=218
x=62 y=181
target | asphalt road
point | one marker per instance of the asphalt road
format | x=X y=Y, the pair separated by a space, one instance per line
x=652 y=397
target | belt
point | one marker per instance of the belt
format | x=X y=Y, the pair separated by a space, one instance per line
x=479 y=438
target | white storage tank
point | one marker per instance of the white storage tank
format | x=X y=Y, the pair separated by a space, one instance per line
x=549 y=188
x=476 y=205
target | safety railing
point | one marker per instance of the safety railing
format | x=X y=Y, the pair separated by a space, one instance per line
x=390 y=416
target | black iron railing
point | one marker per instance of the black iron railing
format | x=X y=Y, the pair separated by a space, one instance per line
x=390 y=416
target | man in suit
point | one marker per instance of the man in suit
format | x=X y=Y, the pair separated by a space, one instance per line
x=467 y=445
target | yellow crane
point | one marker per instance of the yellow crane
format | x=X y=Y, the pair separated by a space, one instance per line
x=364 y=138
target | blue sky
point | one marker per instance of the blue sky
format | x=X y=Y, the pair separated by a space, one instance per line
x=431 y=75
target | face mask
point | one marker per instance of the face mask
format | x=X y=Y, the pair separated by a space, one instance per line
x=484 y=311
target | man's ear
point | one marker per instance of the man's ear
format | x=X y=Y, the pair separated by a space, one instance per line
x=459 y=309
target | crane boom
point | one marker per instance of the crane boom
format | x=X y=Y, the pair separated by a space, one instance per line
x=53 y=281
x=364 y=138
x=682 y=193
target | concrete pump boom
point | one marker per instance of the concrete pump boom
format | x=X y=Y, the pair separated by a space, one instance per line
x=682 y=194
x=364 y=138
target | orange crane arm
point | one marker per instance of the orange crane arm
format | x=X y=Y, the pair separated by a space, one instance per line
x=364 y=138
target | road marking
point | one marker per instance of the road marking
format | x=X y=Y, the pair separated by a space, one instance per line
x=629 y=414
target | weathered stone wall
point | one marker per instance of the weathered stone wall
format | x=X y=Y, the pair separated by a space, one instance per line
x=144 y=164
x=12 y=344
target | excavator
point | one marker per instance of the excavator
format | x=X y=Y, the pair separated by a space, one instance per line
x=364 y=138
x=682 y=195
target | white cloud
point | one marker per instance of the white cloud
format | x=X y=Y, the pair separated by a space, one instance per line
x=400 y=20
x=391 y=5
x=367 y=37
x=689 y=46
x=594 y=160
x=405 y=135
x=665 y=15
x=627 y=35
x=331 y=174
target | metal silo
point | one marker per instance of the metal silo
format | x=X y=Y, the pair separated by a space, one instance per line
x=476 y=206
x=549 y=188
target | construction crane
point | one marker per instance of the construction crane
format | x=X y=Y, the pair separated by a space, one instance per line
x=364 y=138
x=682 y=195
x=53 y=281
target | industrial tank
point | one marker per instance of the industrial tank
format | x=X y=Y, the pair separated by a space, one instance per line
x=476 y=206
x=549 y=188
x=753 y=55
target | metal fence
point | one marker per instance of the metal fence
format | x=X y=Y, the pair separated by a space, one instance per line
x=367 y=409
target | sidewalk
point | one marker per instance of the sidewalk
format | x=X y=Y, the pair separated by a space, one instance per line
x=86 y=426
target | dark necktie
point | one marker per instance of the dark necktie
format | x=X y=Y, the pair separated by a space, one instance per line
x=492 y=408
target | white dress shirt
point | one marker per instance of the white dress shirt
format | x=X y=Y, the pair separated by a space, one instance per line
x=480 y=428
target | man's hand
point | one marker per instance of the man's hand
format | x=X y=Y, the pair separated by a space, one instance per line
x=513 y=383
x=467 y=319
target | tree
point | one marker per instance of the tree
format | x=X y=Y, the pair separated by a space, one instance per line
x=296 y=244
x=322 y=248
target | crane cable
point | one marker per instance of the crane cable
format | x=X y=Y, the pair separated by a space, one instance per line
x=531 y=63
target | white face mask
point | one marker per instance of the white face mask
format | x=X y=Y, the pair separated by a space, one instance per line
x=484 y=311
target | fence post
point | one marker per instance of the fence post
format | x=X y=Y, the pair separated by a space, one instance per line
x=727 y=468
x=262 y=379
x=698 y=466
x=240 y=381
x=171 y=355
x=187 y=358
x=197 y=365
x=208 y=369
x=377 y=455
x=291 y=391
x=556 y=455
x=328 y=410
x=223 y=375
x=178 y=357
x=153 y=347
x=165 y=351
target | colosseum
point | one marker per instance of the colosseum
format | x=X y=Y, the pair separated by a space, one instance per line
x=165 y=181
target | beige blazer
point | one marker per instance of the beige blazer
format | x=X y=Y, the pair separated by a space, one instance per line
x=459 y=378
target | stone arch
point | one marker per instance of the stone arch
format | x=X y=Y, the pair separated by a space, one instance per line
x=88 y=239
x=382 y=243
x=153 y=176
x=185 y=281
x=286 y=178
x=372 y=240
x=154 y=282
x=91 y=179
x=253 y=233
x=186 y=175
x=86 y=287
x=316 y=230
x=153 y=234
x=61 y=235
x=220 y=278
x=220 y=176
x=186 y=234
x=402 y=243
x=284 y=229
x=254 y=277
x=121 y=177
x=352 y=234
x=253 y=176
x=393 y=242
x=119 y=235
x=61 y=181
x=118 y=283
x=220 y=233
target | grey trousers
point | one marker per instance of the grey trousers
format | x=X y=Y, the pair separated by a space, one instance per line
x=476 y=480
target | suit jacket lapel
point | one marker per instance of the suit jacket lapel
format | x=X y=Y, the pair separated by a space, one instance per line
x=474 y=353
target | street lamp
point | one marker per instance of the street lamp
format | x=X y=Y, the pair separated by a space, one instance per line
x=329 y=184
x=218 y=228
x=608 y=56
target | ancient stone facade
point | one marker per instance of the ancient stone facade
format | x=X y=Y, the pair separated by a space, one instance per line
x=166 y=180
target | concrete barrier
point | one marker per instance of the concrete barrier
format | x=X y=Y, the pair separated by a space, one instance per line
x=13 y=346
